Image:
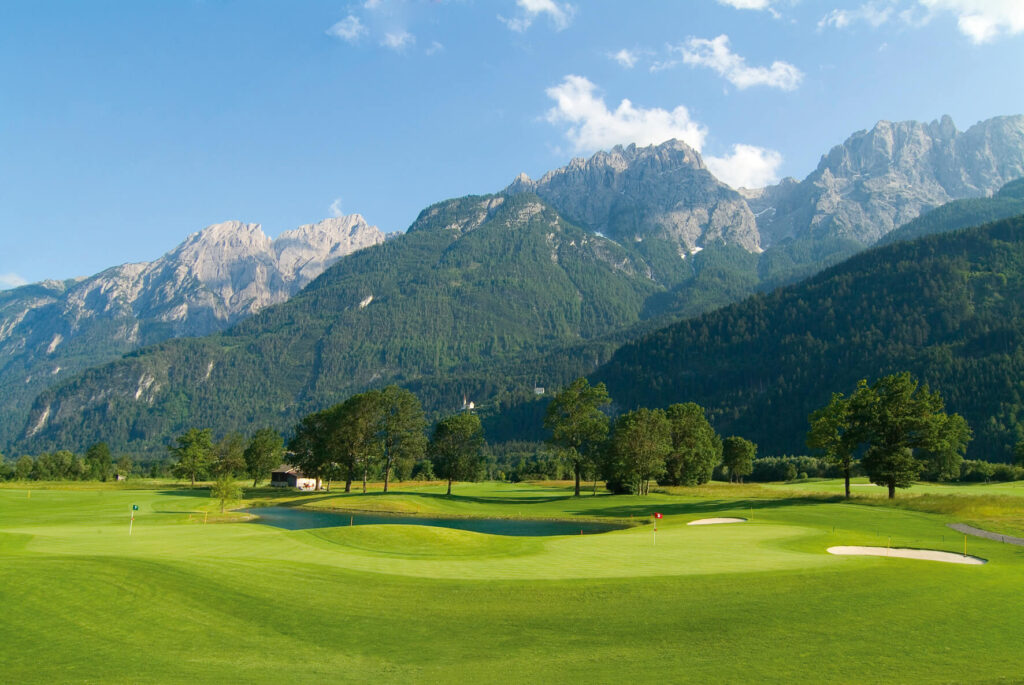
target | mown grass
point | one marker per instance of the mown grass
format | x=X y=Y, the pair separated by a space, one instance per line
x=242 y=602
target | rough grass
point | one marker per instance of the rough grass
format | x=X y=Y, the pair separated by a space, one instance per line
x=755 y=602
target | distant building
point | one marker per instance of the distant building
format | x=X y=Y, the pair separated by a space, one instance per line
x=287 y=476
x=537 y=390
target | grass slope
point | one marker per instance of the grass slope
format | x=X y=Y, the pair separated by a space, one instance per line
x=241 y=602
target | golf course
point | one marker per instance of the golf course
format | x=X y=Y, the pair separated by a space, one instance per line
x=193 y=595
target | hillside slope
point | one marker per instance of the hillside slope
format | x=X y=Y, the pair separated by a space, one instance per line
x=949 y=308
x=476 y=288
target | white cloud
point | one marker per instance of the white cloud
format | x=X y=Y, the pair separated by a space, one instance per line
x=372 y=4
x=398 y=40
x=747 y=166
x=560 y=14
x=873 y=13
x=982 y=20
x=627 y=58
x=592 y=126
x=752 y=5
x=335 y=208
x=435 y=47
x=348 y=29
x=11 y=280
x=747 y=4
x=715 y=54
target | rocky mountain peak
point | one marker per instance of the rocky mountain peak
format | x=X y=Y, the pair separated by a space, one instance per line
x=663 y=191
x=881 y=178
x=304 y=252
x=214 y=277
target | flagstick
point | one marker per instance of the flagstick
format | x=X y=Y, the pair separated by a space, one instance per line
x=131 y=523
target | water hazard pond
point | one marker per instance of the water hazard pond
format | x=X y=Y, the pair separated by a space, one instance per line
x=300 y=519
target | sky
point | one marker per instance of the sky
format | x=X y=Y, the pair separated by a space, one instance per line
x=125 y=126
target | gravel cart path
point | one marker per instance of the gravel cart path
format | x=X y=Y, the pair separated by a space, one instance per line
x=971 y=530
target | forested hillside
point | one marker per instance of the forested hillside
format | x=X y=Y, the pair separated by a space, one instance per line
x=949 y=308
x=483 y=298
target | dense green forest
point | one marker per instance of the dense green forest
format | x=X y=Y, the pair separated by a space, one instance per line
x=483 y=298
x=949 y=308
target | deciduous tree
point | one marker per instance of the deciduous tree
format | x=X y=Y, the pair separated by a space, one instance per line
x=264 y=452
x=400 y=429
x=98 y=461
x=456 y=447
x=229 y=455
x=194 y=451
x=738 y=457
x=225 y=489
x=899 y=418
x=641 y=441
x=696 y=448
x=577 y=424
x=23 y=467
x=832 y=430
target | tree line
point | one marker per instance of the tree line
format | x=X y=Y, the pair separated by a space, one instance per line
x=893 y=430
x=97 y=464
x=672 y=446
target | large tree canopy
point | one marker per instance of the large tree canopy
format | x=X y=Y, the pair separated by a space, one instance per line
x=641 y=441
x=738 y=457
x=902 y=423
x=194 y=451
x=696 y=448
x=263 y=453
x=400 y=427
x=833 y=432
x=456 y=447
x=577 y=424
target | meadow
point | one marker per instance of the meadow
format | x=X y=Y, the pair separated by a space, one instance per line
x=196 y=596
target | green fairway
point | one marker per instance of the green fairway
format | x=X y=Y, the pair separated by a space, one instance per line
x=235 y=601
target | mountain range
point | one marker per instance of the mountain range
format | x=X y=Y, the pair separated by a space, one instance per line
x=54 y=329
x=492 y=295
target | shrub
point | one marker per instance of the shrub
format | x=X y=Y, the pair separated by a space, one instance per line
x=976 y=471
x=1006 y=472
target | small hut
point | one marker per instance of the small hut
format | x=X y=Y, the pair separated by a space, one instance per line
x=288 y=476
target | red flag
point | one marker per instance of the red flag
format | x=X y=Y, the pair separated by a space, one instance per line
x=657 y=515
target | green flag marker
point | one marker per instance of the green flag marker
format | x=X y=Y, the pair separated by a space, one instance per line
x=135 y=507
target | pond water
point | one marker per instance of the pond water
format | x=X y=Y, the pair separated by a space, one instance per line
x=300 y=519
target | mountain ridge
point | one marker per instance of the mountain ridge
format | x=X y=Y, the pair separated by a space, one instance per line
x=210 y=280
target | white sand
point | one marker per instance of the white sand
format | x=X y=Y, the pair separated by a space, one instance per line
x=927 y=554
x=708 y=522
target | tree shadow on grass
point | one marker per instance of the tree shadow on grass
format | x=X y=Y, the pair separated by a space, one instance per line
x=707 y=507
x=203 y=492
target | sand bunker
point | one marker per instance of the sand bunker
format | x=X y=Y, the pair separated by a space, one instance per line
x=708 y=522
x=926 y=554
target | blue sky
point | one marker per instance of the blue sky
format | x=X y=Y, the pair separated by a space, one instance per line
x=125 y=126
